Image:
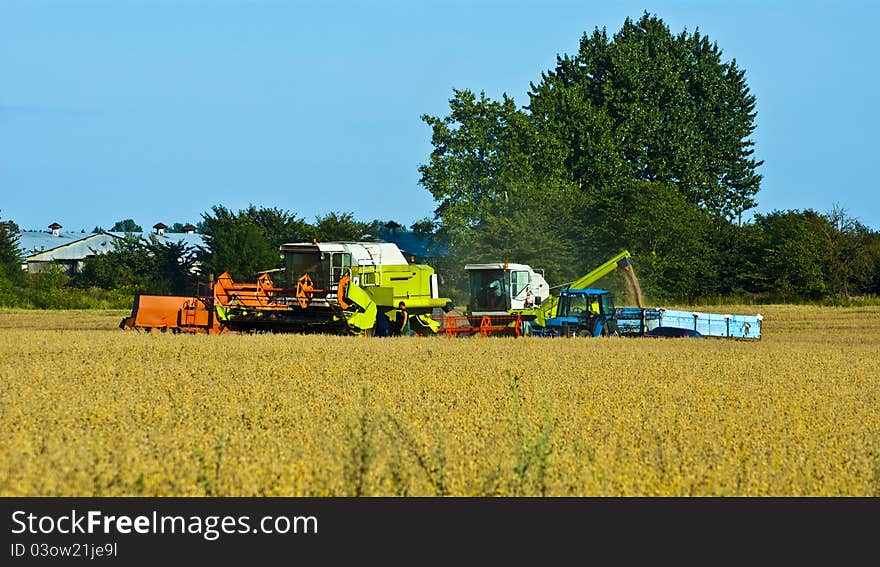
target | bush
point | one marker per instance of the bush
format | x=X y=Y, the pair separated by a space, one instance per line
x=52 y=291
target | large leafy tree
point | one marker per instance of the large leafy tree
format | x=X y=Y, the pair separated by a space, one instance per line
x=849 y=252
x=656 y=121
x=176 y=266
x=667 y=235
x=498 y=198
x=480 y=150
x=648 y=105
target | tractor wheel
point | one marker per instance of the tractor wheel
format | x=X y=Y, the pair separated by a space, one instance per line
x=610 y=329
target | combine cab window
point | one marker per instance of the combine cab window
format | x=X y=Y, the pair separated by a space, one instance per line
x=340 y=265
x=315 y=264
x=490 y=290
x=520 y=281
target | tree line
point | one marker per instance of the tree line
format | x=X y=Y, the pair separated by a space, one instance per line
x=782 y=256
x=243 y=243
x=640 y=140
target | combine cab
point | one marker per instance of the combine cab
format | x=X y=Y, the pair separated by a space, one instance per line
x=497 y=292
x=497 y=289
x=332 y=287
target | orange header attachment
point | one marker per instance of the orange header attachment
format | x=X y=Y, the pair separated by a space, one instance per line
x=341 y=290
x=260 y=294
x=304 y=290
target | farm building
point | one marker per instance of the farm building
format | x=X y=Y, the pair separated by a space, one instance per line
x=69 y=250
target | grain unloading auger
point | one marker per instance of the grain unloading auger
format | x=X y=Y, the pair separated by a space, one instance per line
x=326 y=287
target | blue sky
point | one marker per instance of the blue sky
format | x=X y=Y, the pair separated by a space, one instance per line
x=157 y=110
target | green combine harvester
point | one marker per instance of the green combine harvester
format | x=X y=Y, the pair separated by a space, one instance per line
x=344 y=288
x=324 y=287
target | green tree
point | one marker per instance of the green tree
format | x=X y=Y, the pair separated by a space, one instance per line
x=738 y=263
x=872 y=245
x=118 y=268
x=239 y=247
x=424 y=228
x=791 y=250
x=642 y=111
x=500 y=191
x=175 y=266
x=338 y=226
x=246 y=242
x=650 y=106
x=849 y=258
x=143 y=265
x=10 y=253
x=127 y=225
x=483 y=150
x=668 y=236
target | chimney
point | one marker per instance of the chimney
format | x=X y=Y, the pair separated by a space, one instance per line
x=55 y=226
x=160 y=228
x=189 y=229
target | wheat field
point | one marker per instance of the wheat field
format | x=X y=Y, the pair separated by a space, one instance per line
x=89 y=410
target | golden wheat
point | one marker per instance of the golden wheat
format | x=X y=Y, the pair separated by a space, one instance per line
x=87 y=409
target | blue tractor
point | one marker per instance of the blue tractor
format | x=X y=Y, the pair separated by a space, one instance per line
x=584 y=312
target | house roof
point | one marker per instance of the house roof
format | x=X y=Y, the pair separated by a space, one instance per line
x=38 y=246
x=41 y=246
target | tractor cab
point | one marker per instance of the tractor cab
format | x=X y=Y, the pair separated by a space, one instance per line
x=587 y=312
